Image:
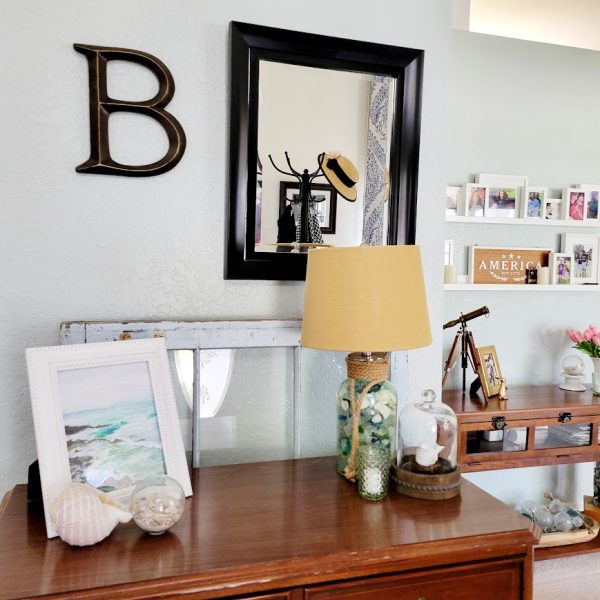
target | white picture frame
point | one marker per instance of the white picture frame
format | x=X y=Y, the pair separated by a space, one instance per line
x=592 y=202
x=533 y=202
x=560 y=268
x=583 y=249
x=453 y=201
x=476 y=197
x=495 y=180
x=82 y=394
x=502 y=202
x=552 y=210
x=574 y=204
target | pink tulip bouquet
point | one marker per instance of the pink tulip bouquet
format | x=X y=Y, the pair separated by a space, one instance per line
x=587 y=341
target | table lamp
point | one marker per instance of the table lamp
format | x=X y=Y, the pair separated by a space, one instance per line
x=366 y=300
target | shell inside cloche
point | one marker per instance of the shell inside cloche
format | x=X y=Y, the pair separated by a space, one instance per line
x=427 y=436
x=573 y=365
x=83 y=515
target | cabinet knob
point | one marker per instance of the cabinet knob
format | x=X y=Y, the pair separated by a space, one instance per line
x=564 y=417
x=498 y=423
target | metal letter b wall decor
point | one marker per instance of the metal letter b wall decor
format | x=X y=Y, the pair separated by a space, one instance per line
x=102 y=105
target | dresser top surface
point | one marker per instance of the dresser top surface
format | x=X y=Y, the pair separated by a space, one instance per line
x=261 y=526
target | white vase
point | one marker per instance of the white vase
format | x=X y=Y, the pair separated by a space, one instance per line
x=596 y=377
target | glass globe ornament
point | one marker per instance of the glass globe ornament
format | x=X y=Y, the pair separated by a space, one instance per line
x=573 y=370
x=157 y=503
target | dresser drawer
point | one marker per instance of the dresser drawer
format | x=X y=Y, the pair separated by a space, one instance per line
x=501 y=580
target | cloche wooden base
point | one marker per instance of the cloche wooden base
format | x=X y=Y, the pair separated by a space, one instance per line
x=425 y=486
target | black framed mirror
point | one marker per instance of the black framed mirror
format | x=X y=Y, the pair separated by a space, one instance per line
x=294 y=96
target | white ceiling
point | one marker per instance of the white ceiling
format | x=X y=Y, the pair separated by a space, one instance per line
x=564 y=22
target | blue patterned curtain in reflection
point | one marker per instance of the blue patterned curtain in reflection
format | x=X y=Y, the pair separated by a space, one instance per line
x=375 y=185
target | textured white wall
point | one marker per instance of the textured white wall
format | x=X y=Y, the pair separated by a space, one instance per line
x=533 y=109
x=99 y=247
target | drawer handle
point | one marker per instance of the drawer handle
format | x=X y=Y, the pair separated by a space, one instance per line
x=564 y=417
x=498 y=423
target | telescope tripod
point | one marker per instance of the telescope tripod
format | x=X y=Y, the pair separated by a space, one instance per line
x=468 y=353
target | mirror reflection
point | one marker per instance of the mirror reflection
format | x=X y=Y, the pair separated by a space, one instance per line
x=342 y=198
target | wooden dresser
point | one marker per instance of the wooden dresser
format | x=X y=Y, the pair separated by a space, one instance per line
x=282 y=530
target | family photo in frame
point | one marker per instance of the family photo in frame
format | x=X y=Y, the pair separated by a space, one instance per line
x=104 y=415
x=489 y=371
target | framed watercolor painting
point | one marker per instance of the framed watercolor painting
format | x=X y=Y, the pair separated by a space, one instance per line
x=105 y=415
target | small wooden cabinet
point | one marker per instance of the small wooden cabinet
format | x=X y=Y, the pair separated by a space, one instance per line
x=282 y=531
x=537 y=425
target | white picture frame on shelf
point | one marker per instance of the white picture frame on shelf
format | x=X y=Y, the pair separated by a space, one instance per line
x=533 y=201
x=492 y=179
x=592 y=215
x=88 y=398
x=560 y=268
x=552 y=210
x=453 y=201
x=583 y=249
x=476 y=196
x=502 y=202
x=574 y=204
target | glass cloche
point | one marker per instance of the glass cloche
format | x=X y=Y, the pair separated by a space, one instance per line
x=427 y=437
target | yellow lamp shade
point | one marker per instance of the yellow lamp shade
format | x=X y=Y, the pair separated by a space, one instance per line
x=365 y=299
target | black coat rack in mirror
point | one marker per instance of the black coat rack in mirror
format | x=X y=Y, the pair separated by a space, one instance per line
x=307 y=94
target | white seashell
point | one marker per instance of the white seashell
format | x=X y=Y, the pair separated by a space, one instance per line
x=426 y=455
x=83 y=515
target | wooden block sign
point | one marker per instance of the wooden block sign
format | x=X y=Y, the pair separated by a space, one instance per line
x=505 y=265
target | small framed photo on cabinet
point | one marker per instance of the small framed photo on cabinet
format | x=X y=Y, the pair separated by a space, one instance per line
x=489 y=371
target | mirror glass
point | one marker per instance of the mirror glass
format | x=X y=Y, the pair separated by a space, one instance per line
x=306 y=111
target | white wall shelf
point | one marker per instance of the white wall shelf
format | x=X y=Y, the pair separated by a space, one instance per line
x=500 y=287
x=521 y=221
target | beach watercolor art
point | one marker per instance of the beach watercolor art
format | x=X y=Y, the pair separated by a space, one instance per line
x=109 y=414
